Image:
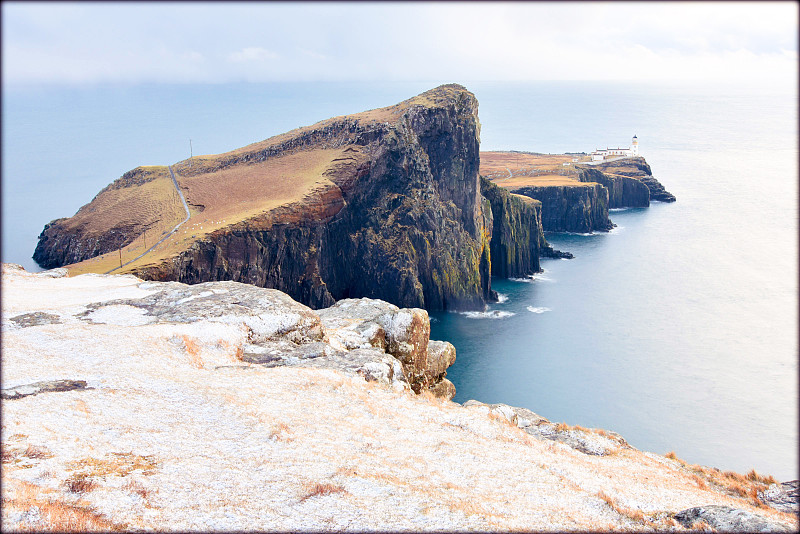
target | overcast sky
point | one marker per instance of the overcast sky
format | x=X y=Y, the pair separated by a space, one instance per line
x=91 y=42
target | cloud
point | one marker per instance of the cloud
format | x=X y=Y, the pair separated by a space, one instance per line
x=252 y=53
x=213 y=42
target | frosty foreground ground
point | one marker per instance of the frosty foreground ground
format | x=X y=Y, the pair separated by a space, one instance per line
x=174 y=431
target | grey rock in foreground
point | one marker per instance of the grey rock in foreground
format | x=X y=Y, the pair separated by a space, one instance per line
x=50 y=386
x=591 y=442
x=783 y=497
x=366 y=337
x=727 y=519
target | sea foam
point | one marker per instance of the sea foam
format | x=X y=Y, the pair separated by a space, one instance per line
x=491 y=314
x=541 y=309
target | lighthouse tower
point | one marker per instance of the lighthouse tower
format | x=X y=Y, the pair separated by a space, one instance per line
x=635 y=146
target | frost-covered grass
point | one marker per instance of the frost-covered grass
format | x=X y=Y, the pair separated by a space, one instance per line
x=175 y=433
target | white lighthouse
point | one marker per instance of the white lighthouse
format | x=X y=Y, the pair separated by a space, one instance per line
x=635 y=146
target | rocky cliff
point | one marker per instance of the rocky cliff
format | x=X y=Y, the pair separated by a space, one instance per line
x=623 y=191
x=517 y=240
x=385 y=204
x=580 y=208
x=627 y=181
x=132 y=405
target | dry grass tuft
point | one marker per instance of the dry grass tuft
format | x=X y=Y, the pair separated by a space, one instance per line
x=80 y=483
x=281 y=432
x=320 y=489
x=116 y=463
x=131 y=486
x=53 y=516
x=562 y=427
x=671 y=455
x=7 y=456
x=633 y=514
x=38 y=453
x=701 y=483
x=193 y=351
x=755 y=477
x=700 y=525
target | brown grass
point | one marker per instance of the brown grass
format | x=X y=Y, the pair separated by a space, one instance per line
x=322 y=488
x=38 y=453
x=55 y=516
x=701 y=483
x=116 y=463
x=80 y=483
x=131 y=486
x=671 y=455
x=755 y=477
x=632 y=514
x=281 y=432
x=193 y=351
x=700 y=524
x=234 y=195
x=7 y=456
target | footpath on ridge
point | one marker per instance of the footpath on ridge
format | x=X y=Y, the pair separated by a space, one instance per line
x=188 y=215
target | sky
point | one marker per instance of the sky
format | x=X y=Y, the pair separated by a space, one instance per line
x=207 y=42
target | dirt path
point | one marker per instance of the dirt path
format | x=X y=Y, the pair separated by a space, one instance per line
x=188 y=215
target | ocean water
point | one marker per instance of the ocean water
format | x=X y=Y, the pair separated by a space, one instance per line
x=678 y=329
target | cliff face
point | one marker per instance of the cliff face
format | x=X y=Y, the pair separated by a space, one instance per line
x=565 y=208
x=622 y=177
x=393 y=210
x=517 y=237
x=623 y=191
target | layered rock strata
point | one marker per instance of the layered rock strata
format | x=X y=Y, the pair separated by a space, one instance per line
x=579 y=208
x=624 y=179
x=623 y=191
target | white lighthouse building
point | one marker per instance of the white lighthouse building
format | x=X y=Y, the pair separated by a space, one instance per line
x=633 y=150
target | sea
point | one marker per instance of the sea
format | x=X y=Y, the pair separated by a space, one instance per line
x=678 y=329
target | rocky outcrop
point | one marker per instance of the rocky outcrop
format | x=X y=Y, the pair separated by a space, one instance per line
x=403 y=333
x=367 y=337
x=727 y=519
x=580 y=208
x=619 y=172
x=784 y=497
x=592 y=442
x=623 y=191
x=50 y=386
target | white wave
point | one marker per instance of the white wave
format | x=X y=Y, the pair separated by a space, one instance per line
x=527 y=279
x=618 y=209
x=501 y=298
x=542 y=278
x=534 y=309
x=491 y=314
